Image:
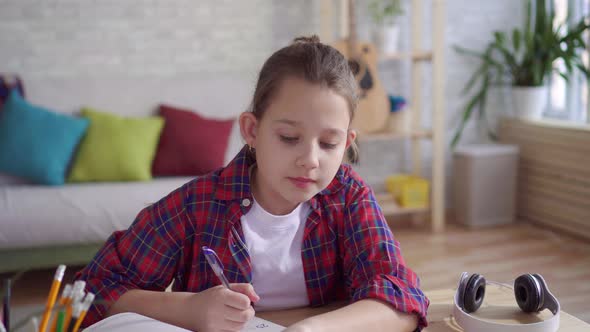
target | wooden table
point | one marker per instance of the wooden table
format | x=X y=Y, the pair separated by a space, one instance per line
x=499 y=305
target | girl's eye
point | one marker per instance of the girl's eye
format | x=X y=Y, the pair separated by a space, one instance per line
x=293 y=140
x=288 y=139
x=328 y=146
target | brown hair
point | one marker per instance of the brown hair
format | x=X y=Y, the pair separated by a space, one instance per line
x=313 y=61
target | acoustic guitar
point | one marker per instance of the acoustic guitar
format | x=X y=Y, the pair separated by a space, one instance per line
x=373 y=109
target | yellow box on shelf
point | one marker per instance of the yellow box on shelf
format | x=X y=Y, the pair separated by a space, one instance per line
x=409 y=190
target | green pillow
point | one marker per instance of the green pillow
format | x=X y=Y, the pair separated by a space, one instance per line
x=116 y=148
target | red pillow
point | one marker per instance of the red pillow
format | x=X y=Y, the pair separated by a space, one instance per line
x=190 y=144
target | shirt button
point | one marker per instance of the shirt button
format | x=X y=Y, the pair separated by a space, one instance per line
x=246 y=202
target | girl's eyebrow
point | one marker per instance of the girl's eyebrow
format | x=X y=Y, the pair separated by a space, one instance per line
x=333 y=131
x=285 y=121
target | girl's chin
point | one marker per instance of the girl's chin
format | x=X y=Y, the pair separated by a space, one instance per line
x=301 y=196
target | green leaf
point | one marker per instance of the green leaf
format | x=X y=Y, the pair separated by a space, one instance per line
x=584 y=70
x=569 y=65
x=516 y=39
x=469 y=109
x=540 y=69
x=528 y=34
x=564 y=76
x=465 y=51
x=466 y=116
x=485 y=57
x=509 y=58
x=500 y=37
x=540 y=17
x=483 y=117
x=479 y=73
x=487 y=62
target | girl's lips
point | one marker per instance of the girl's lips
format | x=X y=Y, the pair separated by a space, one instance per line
x=303 y=179
x=302 y=182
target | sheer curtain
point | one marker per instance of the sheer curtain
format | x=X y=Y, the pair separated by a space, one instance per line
x=569 y=99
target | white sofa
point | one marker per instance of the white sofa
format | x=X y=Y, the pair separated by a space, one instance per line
x=41 y=226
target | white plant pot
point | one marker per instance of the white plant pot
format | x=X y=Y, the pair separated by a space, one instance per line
x=386 y=38
x=529 y=102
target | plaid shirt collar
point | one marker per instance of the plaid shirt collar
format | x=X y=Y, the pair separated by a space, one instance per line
x=234 y=180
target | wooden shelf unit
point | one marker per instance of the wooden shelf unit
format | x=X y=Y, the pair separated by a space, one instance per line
x=391 y=208
x=417 y=58
x=386 y=136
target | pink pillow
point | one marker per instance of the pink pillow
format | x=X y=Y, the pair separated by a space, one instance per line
x=190 y=144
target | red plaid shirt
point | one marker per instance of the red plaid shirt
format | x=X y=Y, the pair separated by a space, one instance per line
x=348 y=251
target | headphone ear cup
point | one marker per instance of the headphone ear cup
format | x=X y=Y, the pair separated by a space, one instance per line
x=528 y=294
x=474 y=293
x=540 y=281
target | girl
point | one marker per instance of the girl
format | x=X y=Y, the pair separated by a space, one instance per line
x=292 y=225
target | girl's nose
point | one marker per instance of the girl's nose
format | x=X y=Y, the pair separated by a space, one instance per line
x=309 y=157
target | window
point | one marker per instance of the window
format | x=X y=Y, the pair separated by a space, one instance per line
x=569 y=99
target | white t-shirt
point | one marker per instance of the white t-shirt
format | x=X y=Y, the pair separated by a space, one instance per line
x=274 y=245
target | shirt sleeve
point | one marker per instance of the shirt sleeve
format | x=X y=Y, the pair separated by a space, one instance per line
x=145 y=256
x=373 y=261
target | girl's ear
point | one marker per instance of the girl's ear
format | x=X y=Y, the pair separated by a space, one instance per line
x=350 y=137
x=248 y=126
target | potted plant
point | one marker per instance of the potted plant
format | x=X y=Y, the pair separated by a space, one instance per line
x=524 y=60
x=385 y=29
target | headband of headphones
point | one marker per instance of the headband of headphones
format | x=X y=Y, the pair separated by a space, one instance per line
x=531 y=293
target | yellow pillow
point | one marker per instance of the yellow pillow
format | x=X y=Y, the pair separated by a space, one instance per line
x=116 y=148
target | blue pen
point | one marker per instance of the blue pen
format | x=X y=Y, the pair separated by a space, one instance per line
x=216 y=265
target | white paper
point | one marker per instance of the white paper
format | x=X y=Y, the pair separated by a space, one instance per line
x=132 y=322
x=259 y=324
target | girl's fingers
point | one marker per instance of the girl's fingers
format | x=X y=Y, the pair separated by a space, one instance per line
x=246 y=289
x=239 y=316
x=236 y=300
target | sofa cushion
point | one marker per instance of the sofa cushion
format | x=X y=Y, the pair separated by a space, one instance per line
x=35 y=216
x=190 y=144
x=116 y=148
x=37 y=143
x=7 y=84
x=11 y=180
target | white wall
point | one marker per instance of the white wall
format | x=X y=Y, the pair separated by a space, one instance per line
x=127 y=55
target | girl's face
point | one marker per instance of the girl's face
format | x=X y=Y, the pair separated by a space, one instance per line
x=300 y=142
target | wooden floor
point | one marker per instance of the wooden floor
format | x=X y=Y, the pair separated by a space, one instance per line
x=500 y=254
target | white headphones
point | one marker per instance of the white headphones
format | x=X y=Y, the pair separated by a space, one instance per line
x=531 y=293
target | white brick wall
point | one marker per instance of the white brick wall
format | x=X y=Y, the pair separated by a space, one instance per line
x=133 y=37
x=164 y=39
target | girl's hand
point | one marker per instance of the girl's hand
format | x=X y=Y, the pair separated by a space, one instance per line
x=222 y=309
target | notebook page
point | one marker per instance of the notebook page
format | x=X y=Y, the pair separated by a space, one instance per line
x=132 y=322
x=262 y=325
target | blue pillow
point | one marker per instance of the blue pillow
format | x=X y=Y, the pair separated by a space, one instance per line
x=36 y=143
